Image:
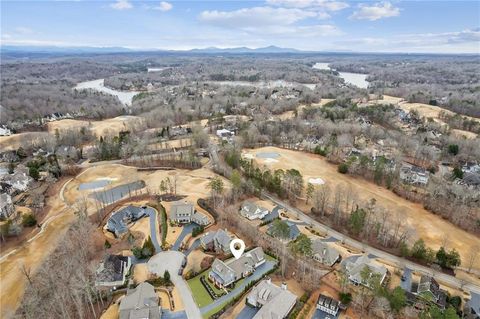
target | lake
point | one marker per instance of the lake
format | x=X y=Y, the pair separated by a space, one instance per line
x=357 y=79
x=126 y=97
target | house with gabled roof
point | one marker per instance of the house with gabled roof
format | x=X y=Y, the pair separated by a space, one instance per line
x=355 y=265
x=252 y=211
x=140 y=303
x=324 y=253
x=184 y=212
x=224 y=274
x=219 y=241
x=294 y=231
x=112 y=271
x=273 y=301
x=328 y=305
x=429 y=289
x=118 y=222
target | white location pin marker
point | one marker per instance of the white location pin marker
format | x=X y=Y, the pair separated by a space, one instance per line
x=237 y=246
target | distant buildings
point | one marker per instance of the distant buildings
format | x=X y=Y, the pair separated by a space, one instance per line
x=324 y=253
x=225 y=134
x=118 y=222
x=18 y=182
x=354 y=266
x=224 y=274
x=183 y=212
x=251 y=211
x=219 y=241
x=112 y=271
x=6 y=206
x=413 y=174
x=140 y=303
x=328 y=305
x=273 y=301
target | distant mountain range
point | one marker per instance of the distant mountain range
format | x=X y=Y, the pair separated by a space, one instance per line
x=86 y=49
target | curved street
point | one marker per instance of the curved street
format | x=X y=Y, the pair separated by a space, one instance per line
x=439 y=276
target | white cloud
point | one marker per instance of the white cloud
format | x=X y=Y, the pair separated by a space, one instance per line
x=23 y=30
x=121 y=5
x=248 y=18
x=164 y=6
x=325 y=4
x=465 y=41
x=375 y=12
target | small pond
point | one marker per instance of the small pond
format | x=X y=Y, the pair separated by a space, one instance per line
x=99 y=183
x=267 y=155
x=118 y=192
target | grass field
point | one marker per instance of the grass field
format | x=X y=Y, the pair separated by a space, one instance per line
x=421 y=223
x=200 y=294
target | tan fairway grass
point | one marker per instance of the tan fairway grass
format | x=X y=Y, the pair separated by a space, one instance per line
x=427 y=111
x=106 y=127
x=423 y=224
x=190 y=183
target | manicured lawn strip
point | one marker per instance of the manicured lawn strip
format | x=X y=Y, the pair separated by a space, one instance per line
x=201 y=296
x=216 y=309
x=164 y=225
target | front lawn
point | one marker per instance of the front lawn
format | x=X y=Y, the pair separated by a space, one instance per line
x=200 y=294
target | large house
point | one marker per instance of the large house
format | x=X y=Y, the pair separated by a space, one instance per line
x=294 y=232
x=429 y=289
x=354 y=266
x=224 y=274
x=183 y=212
x=324 y=253
x=118 y=222
x=112 y=271
x=273 y=301
x=413 y=174
x=328 y=305
x=219 y=241
x=19 y=181
x=140 y=303
x=251 y=211
x=6 y=206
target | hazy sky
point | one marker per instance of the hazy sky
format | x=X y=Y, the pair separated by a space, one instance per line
x=380 y=26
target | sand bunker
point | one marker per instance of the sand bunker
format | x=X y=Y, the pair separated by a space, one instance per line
x=316 y=181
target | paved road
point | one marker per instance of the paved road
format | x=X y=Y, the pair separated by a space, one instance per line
x=259 y=273
x=172 y=261
x=402 y=262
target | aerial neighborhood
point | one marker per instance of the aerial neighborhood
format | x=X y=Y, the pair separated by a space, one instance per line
x=250 y=183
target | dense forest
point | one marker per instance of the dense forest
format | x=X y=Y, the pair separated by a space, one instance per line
x=186 y=86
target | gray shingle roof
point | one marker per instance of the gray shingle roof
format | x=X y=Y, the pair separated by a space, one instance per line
x=324 y=253
x=274 y=301
x=181 y=209
x=140 y=303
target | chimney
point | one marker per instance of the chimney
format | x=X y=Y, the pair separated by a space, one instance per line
x=284 y=286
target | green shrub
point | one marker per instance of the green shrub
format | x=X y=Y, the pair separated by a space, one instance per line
x=29 y=220
x=343 y=168
x=345 y=297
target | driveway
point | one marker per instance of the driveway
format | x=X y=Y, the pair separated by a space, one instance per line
x=247 y=312
x=172 y=261
x=152 y=213
x=186 y=229
x=407 y=283
x=259 y=272
x=319 y=314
